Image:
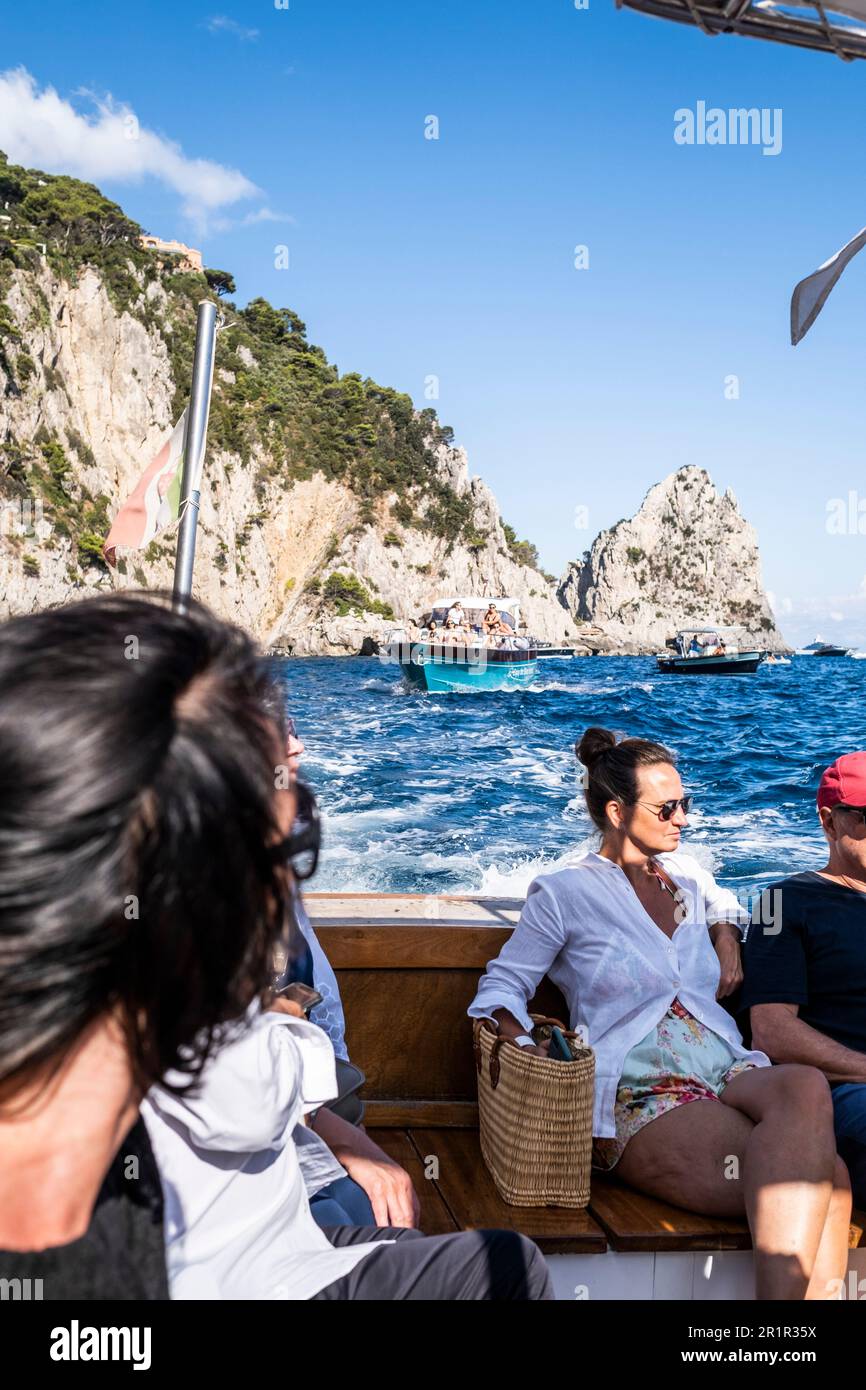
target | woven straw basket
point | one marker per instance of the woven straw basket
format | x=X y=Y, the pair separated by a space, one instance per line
x=535 y=1120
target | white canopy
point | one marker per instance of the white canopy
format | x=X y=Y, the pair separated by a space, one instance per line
x=478 y=601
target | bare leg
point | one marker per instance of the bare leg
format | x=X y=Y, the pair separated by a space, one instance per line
x=798 y=1197
x=831 y=1262
x=767 y=1153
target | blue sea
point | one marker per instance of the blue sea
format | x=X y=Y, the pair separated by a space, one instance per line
x=478 y=793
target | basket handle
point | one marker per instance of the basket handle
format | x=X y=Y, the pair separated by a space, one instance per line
x=495 y=1064
x=554 y=1022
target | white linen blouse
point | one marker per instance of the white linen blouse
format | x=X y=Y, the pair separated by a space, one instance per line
x=618 y=971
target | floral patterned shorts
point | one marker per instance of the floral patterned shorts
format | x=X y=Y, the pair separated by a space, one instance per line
x=678 y=1061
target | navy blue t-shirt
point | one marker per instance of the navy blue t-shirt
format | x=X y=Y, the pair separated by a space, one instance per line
x=816 y=959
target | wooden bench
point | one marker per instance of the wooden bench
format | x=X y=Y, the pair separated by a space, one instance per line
x=408 y=967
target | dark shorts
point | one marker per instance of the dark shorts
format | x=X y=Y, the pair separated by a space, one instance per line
x=849 y=1113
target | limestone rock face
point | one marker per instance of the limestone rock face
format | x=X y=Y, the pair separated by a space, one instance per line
x=687 y=557
x=100 y=383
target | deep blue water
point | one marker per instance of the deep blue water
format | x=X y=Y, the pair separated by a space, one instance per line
x=479 y=792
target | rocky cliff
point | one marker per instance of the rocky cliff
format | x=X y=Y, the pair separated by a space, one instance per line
x=687 y=556
x=87 y=396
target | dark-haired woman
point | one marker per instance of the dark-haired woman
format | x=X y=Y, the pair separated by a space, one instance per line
x=146 y=850
x=139 y=909
x=628 y=934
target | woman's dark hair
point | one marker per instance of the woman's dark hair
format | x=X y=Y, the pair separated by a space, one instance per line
x=137 y=771
x=611 y=768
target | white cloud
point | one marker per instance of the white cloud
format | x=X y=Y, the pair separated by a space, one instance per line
x=221 y=24
x=268 y=215
x=40 y=129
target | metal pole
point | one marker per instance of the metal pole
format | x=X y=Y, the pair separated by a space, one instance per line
x=195 y=439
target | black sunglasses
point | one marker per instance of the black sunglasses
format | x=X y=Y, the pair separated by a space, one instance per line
x=852 y=810
x=666 y=809
x=300 y=850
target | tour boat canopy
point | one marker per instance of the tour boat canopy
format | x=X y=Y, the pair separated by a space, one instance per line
x=475 y=606
x=838 y=27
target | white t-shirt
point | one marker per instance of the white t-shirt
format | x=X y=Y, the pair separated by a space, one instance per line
x=237 y=1215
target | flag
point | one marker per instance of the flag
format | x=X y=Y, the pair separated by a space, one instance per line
x=155 y=503
x=811 y=294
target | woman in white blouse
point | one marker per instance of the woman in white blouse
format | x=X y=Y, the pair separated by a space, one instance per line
x=643 y=942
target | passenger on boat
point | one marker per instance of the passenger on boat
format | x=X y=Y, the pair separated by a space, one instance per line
x=455 y=614
x=628 y=935
x=491 y=622
x=255 y=1238
x=350 y=1181
x=805 y=962
x=146 y=868
x=454 y=635
x=695 y=648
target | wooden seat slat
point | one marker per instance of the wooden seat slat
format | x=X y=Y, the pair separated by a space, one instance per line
x=470 y=1195
x=634 y=1221
x=436 y=1219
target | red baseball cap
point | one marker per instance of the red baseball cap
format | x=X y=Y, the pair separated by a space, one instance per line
x=844 y=782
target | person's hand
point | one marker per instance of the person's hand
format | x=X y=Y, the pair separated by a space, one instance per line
x=726 y=943
x=541 y=1049
x=388 y=1186
x=280 y=1005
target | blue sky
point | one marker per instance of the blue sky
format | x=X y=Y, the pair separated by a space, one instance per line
x=454 y=257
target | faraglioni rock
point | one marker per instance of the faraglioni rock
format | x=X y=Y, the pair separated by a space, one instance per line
x=686 y=558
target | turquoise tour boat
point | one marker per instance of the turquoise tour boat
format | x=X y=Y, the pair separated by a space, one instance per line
x=454 y=653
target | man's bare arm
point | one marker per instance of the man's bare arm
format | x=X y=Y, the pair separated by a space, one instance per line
x=777 y=1030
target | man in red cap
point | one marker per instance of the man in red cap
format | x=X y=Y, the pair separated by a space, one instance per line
x=805 y=963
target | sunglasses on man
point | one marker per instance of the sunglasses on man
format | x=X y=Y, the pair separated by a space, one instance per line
x=853 y=811
x=300 y=850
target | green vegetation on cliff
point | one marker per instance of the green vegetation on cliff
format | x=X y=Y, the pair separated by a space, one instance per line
x=278 y=402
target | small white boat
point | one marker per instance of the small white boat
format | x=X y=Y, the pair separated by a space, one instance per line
x=821 y=648
x=706 y=651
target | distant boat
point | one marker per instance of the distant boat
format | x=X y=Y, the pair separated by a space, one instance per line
x=442 y=667
x=546 y=652
x=704 y=651
x=819 y=648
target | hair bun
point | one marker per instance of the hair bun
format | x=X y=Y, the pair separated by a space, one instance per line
x=593 y=744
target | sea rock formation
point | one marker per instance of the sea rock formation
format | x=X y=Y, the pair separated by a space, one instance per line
x=687 y=557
